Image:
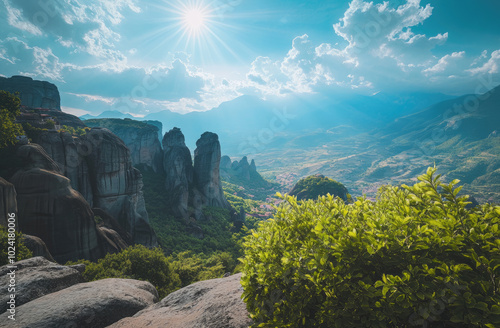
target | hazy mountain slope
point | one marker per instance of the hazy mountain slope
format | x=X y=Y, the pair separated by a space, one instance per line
x=461 y=139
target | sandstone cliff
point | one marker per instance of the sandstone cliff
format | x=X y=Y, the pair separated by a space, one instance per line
x=207 y=158
x=8 y=203
x=33 y=93
x=178 y=167
x=141 y=139
x=99 y=166
x=49 y=208
x=117 y=185
x=192 y=187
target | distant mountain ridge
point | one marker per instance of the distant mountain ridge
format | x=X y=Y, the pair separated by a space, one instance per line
x=248 y=124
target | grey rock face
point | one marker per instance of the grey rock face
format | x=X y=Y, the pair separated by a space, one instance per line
x=141 y=138
x=207 y=158
x=190 y=188
x=225 y=162
x=117 y=185
x=178 y=167
x=94 y=304
x=68 y=153
x=8 y=202
x=36 y=277
x=33 y=93
x=213 y=303
x=145 y=148
x=37 y=247
x=50 y=209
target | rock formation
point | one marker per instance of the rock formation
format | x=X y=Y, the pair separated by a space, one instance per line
x=117 y=185
x=213 y=303
x=159 y=125
x=37 y=247
x=93 y=304
x=100 y=168
x=8 y=203
x=50 y=209
x=141 y=138
x=36 y=277
x=178 y=167
x=33 y=93
x=68 y=153
x=191 y=188
x=207 y=158
x=52 y=295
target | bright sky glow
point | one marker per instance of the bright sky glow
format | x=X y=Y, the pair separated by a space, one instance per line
x=192 y=55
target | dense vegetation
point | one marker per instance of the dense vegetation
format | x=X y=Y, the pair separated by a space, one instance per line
x=318 y=185
x=176 y=235
x=416 y=256
x=167 y=274
x=115 y=124
x=9 y=109
x=22 y=252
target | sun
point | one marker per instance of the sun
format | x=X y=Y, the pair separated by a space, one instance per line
x=195 y=19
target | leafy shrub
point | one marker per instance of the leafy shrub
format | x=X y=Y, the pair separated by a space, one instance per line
x=192 y=267
x=136 y=262
x=415 y=257
x=9 y=109
x=22 y=252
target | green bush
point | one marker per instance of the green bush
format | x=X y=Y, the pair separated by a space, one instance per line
x=414 y=257
x=318 y=185
x=9 y=109
x=136 y=262
x=22 y=252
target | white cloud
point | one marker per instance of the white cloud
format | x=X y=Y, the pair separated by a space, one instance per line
x=445 y=62
x=489 y=67
x=381 y=52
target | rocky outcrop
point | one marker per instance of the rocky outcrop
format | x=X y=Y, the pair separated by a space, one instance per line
x=191 y=188
x=178 y=167
x=213 y=303
x=158 y=125
x=242 y=168
x=93 y=304
x=49 y=208
x=207 y=158
x=8 y=203
x=225 y=162
x=37 y=247
x=33 y=93
x=69 y=155
x=141 y=138
x=117 y=185
x=99 y=166
x=36 y=277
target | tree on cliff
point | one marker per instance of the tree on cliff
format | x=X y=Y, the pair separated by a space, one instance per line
x=9 y=109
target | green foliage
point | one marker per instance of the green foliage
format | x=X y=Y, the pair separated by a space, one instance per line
x=195 y=267
x=50 y=124
x=177 y=235
x=136 y=262
x=10 y=102
x=9 y=109
x=414 y=257
x=22 y=252
x=33 y=132
x=116 y=124
x=75 y=132
x=318 y=185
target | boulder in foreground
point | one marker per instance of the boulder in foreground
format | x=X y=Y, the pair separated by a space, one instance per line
x=212 y=303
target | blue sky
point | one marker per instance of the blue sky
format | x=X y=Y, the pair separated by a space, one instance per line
x=146 y=56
